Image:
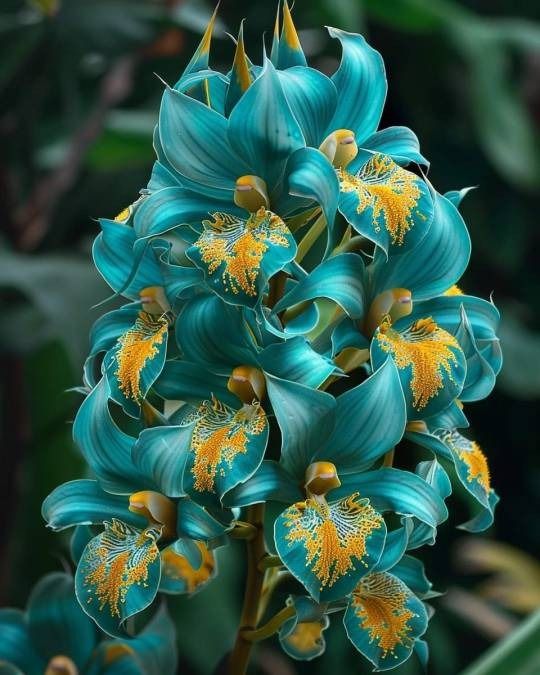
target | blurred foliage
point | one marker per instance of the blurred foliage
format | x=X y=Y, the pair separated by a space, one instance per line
x=78 y=102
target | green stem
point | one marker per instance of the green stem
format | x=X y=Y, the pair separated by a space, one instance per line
x=271 y=627
x=310 y=238
x=256 y=551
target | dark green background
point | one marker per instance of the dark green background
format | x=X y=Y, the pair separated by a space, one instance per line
x=78 y=101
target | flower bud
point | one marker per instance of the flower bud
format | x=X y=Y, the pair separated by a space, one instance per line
x=157 y=509
x=251 y=193
x=340 y=147
x=248 y=383
x=321 y=477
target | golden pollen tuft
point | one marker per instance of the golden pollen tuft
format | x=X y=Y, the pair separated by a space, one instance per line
x=379 y=601
x=390 y=191
x=470 y=453
x=137 y=346
x=334 y=535
x=239 y=246
x=118 y=559
x=427 y=349
x=177 y=567
x=219 y=436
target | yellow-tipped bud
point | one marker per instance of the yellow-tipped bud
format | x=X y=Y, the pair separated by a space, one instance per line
x=157 y=509
x=61 y=665
x=247 y=383
x=154 y=300
x=389 y=305
x=321 y=477
x=251 y=193
x=340 y=147
x=113 y=652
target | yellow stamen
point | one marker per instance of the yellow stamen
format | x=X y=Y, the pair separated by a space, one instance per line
x=251 y=193
x=154 y=300
x=340 y=147
x=157 y=509
x=379 y=601
x=427 y=349
x=177 y=567
x=390 y=306
x=306 y=637
x=248 y=383
x=321 y=477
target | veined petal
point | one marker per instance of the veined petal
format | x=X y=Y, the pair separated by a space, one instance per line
x=384 y=619
x=184 y=381
x=263 y=129
x=330 y=546
x=199 y=60
x=269 y=483
x=135 y=363
x=226 y=447
x=297 y=361
x=361 y=86
x=430 y=363
x=238 y=256
x=195 y=522
x=386 y=203
x=118 y=574
x=178 y=575
x=400 y=143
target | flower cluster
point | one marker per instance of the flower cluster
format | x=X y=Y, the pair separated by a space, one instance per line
x=292 y=325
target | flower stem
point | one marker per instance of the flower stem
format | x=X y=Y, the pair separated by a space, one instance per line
x=240 y=654
x=272 y=626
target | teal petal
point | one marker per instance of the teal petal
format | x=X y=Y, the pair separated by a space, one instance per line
x=411 y=571
x=340 y=278
x=238 y=255
x=162 y=453
x=480 y=378
x=195 y=142
x=384 y=619
x=313 y=98
x=80 y=537
x=361 y=86
x=297 y=361
x=289 y=50
x=106 y=448
x=269 y=483
x=180 y=575
x=395 y=546
x=118 y=575
x=305 y=417
x=430 y=363
x=83 y=502
x=400 y=143
x=370 y=421
x=435 y=264
x=436 y=477
x=484 y=518
x=56 y=623
x=301 y=637
x=184 y=381
x=18 y=655
x=457 y=196
x=240 y=77
x=387 y=204
x=395 y=490
x=450 y=418
x=200 y=58
x=328 y=547
x=263 y=129
x=195 y=522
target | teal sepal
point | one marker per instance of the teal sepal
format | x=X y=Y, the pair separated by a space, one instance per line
x=380 y=592
x=347 y=334
x=395 y=490
x=340 y=278
x=106 y=448
x=154 y=650
x=125 y=388
x=112 y=252
x=289 y=53
x=162 y=453
x=178 y=279
x=400 y=143
x=435 y=264
x=83 y=502
x=118 y=575
x=80 y=537
x=421 y=650
x=395 y=546
x=435 y=476
x=176 y=567
x=312 y=97
x=238 y=436
x=199 y=60
x=18 y=656
x=195 y=522
x=304 y=323
x=484 y=518
x=184 y=381
x=309 y=618
x=370 y=420
x=311 y=176
x=457 y=196
x=214 y=333
x=411 y=571
x=195 y=142
x=480 y=378
x=174 y=207
x=269 y=483
x=448 y=367
x=305 y=417
x=263 y=129
x=304 y=551
x=361 y=86
x=237 y=82
x=371 y=215
x=56 y=623
x=189 y=549
x=450 y=418
x=240 y=275
x=162 y=177
x=296 y=360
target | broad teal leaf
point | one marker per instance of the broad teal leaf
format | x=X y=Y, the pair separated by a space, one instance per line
x=384 y=619
x=83 y=502
x=328 y=547
x=180 y=575
x=269 y=483
x=118 y=575
x=361 y=86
